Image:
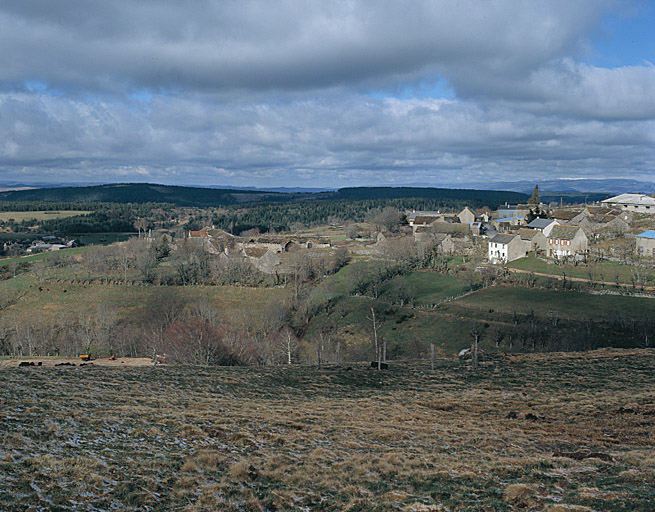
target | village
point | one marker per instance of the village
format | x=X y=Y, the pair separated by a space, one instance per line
x=620 y=228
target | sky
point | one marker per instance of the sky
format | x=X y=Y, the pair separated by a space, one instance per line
x=455 y=93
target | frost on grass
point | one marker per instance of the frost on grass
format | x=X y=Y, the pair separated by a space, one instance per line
x=520 y=436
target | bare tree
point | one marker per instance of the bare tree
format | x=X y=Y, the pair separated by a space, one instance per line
x=375 y=322
x=351 y=231
x=389 y=218
x=476 y=333
x=141 y=224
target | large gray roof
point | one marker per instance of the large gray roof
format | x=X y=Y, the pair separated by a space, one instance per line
x=540 y=223
x=502 y=239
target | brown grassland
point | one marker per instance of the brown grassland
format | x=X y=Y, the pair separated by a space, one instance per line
x=552 y=432
x=41 y=215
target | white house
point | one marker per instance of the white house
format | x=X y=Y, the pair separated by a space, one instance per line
x=504 y=248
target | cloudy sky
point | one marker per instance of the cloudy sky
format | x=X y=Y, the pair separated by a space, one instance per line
x=326 y=94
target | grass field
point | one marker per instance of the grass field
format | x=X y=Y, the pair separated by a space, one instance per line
x=608 y=272
x=40 y=215
x=428 y=287
x=54 y=298
x=566 y=304
x=410 y=330
x=557 y=432
x=42 y=256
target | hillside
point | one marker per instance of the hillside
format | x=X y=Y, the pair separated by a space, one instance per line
x=488 y=197
x=146 y=193
x=203 y=197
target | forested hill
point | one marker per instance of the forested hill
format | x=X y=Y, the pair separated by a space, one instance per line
x=203 y=197
x=148 y=193
x=489 y=197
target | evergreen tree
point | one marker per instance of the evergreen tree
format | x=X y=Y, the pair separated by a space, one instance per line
x=534 y=198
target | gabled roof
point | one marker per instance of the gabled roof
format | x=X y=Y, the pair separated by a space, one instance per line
x=502 y=239
x=564 y=232
x=425 y=219
x=255 y=252
x=510 y=219
x=631 y=199
x=647 y=234
x=541 y=223
x=565 y=214
x=528 y=234
x=601 y=210
x=413 y=215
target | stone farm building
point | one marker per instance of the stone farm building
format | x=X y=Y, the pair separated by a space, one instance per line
x=646 y=244
x=533 y=240
x=567 y=241
x=639 y=203
x=505 y=248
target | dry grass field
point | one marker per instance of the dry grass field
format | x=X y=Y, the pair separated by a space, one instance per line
x=552 y=432
x=41 y=215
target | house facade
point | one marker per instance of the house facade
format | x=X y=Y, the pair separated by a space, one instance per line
x=567 y=241
x=645 y=244
x=422 y=218
x=533 y=240
x=466 y=216
x=505 y=248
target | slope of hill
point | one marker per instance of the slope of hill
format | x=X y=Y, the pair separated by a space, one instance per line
x=202 y=197
x=489 y=197
x=147 y=193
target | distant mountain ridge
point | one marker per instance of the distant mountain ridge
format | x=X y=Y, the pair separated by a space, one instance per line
x=608 y=186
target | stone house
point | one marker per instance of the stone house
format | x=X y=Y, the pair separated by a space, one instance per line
x=565 y=216
x=533 y=240
x=466 y=216
x=422 y=218
x=645 y=244
x=567 y=241
x=543 y=225
x=505 y=248
x=262 y=259
x=640 y=203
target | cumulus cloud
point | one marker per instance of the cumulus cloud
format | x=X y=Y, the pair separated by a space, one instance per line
x=260 y=92
x=285 y=44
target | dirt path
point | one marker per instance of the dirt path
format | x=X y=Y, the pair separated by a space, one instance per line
x=574 y=279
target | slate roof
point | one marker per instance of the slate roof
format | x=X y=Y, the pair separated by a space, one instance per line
x=255 y=252
x=413 y=215
x=528 y=234
x=564 y=214
x=425 y=219
x=540 y=223
x=631 y=199
x=564 y=232
x=502 y=239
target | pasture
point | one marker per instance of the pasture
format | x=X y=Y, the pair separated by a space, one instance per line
x=607 y=272
x=555 y=432
x=40 y=215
